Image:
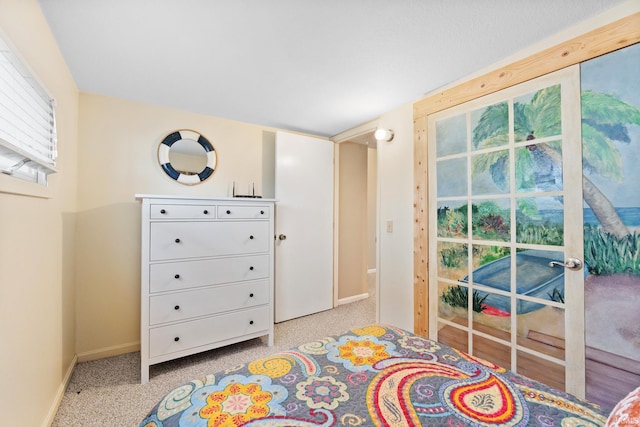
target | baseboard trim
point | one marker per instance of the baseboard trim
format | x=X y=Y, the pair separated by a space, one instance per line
x=353 y=298
x=60 y=393
x=115 y=350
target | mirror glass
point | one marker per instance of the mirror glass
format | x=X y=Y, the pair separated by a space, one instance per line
x=187 y=157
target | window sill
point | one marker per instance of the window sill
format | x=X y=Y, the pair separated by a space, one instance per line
x=11 y=185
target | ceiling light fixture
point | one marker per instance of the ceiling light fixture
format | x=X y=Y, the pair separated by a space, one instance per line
x=383 y=134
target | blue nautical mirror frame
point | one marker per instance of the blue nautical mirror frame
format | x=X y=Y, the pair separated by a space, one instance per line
x=181 y=177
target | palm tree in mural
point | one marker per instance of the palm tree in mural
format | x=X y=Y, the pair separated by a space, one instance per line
x=604 y=122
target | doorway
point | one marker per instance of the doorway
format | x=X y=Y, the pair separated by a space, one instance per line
x=356 y=219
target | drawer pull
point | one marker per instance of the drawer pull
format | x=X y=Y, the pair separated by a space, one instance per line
x=177 y=240
x=251 y=268
x=163 y=211
x=251 y=295
x=177 y=307
x=251 y=322
x=251 y=237
x=228 y=212
x=177 y=276
x=261 y=212
x=206 y=212
x=176 y=339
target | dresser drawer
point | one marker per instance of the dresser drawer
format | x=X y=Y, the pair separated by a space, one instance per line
x=160 y=211
x=243 y=212
x=186 y=335
x=172 y=276
x=176 y=240
x=206 y=301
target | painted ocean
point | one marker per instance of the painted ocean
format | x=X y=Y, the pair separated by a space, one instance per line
x=630 y=216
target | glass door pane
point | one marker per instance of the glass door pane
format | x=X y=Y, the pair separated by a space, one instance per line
x=503 y=188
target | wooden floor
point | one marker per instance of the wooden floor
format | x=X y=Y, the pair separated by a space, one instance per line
x=528 y=365
x=609 y=377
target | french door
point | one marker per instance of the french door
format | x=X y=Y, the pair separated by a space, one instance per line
x=505 y=208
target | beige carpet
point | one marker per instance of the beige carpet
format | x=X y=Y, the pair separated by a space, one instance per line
x=108 y=392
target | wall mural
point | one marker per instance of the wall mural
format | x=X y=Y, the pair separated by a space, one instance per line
x=532 y=170
x=611 y=159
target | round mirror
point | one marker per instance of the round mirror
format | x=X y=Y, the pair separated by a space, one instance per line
x=187 y=157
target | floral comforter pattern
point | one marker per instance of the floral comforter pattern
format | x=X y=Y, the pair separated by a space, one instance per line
x=373 y=376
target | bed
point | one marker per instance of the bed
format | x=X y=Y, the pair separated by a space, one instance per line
x=377 y=375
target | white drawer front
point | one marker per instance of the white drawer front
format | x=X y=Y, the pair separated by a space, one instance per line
x=243 y=212
x=183 y=336
x=175 y=240
x=205 y=301
x=172 y=276
x=183 y=211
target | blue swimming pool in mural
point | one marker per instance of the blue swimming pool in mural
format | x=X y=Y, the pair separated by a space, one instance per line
x=534 y=278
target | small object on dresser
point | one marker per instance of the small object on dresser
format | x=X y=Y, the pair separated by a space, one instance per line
x=246 y=196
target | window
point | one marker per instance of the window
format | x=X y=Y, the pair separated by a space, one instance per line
x=27 y=122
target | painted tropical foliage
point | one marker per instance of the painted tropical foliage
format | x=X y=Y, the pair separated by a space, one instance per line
x=605 y=122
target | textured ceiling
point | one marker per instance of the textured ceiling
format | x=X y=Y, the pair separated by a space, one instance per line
x=313 y=66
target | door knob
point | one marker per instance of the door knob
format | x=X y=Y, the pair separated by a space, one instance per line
x=570 y=263
x=282 y=237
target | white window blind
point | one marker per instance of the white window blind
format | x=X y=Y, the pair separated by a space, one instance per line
x=27 y=122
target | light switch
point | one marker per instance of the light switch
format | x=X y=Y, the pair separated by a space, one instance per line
x=389 y=226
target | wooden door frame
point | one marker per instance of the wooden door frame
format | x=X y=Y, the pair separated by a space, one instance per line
x=608 y=38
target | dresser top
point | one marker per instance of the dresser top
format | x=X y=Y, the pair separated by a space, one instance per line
x=221 y=199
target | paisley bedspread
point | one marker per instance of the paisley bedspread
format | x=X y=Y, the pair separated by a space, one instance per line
x=374 y=376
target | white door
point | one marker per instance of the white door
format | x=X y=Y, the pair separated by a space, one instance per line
x=304 y=226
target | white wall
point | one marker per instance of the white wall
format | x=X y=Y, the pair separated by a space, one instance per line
x=372 y=204
x=37 y=244
x=118 y=159
x=352 y=224
x=395 y=183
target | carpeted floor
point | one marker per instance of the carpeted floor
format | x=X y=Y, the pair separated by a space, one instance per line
x=108 y=392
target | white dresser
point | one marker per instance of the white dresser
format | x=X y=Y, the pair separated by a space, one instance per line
x=207 y=275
